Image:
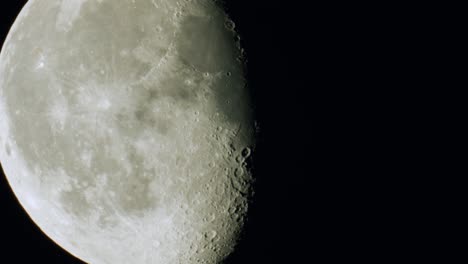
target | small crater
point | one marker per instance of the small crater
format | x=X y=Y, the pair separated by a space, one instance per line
x=233 y=148
x=233 y=209
x=238 y=172
x=235 y=217
x=246 y=152
x=211 y=235
x=189 y=82
x=178 y=14
x=247 y=164
x=229 y=24
x=211 y=217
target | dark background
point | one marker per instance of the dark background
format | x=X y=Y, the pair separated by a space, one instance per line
x=287 y=221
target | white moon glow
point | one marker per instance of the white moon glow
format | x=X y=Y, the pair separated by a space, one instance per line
x=126 y=126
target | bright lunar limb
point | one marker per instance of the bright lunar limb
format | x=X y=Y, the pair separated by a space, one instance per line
x=126 y=128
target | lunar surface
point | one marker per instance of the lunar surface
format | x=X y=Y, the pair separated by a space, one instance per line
x=126 y=128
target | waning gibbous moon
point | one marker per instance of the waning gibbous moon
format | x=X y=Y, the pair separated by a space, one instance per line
x=126 y=128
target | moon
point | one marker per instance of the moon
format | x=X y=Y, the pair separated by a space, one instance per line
x=127 y=128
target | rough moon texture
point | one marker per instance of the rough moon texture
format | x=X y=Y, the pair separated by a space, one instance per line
x=126 y=128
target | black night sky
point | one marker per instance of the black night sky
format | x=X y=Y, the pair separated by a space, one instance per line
x=281 y=226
